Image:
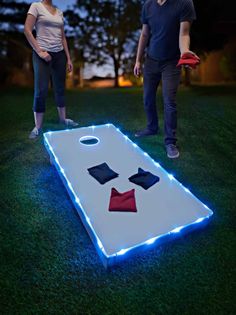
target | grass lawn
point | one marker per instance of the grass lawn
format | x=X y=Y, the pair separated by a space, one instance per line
x=48 y=264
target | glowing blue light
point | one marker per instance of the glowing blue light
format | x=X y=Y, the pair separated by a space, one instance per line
x=206 y=207
x=122 y=251
x=157 y=164
x=69 y=185
x=199 y=220
x=49 y=133
x=145 y=153
x=135 y=145
x=126 y=138
x=151 y=241
x=177 y=230
x=99 y=243
x=108 y=125
x=77 y=200
x=171 y=177
x=118 y=129
x=187 y=190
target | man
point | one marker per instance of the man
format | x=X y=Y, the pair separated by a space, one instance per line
x=165 y=33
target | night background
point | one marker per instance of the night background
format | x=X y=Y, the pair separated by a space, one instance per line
x=48 y=265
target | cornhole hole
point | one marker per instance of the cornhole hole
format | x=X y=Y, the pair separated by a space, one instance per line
x=164 y=210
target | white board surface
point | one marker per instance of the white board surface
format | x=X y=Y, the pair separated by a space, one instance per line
x=165 y=208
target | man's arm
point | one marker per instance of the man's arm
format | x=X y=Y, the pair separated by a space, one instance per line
x=143 y=40
x=184 y=38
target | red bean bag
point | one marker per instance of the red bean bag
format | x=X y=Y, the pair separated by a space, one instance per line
x=189 y=59
x=124 y=202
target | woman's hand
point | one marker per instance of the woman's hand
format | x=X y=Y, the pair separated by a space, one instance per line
x=45 y=55
x=137 y=69
x=69 y=65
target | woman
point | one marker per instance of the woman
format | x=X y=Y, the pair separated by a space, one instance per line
x=50 y=56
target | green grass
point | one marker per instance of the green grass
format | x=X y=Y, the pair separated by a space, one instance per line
x=48 y=264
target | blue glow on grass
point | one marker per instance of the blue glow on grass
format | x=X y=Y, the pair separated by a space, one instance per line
x=77 y=200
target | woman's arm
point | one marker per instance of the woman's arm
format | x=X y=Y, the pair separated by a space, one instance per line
x=29 y=25
x=65 y=46
x=143 y=40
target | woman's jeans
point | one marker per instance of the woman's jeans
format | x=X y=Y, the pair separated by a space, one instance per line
x=56 y=69
x=154 y=72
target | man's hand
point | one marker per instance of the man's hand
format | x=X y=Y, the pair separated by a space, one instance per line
x=137 y=69
x=190 y=52
x=69 y=65
x=45 y=55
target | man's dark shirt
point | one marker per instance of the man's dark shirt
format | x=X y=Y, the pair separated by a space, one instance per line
x=164 y=25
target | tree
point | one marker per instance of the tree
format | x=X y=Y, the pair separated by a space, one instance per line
x=13 y=50
x=109 y=30
x=206 y=32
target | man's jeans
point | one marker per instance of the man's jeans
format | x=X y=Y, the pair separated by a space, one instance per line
x=56 y=69
x=154 y=72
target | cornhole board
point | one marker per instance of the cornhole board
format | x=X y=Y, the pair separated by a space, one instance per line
x=163 y=211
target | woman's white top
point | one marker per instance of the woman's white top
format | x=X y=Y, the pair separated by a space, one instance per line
x=48 y=27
